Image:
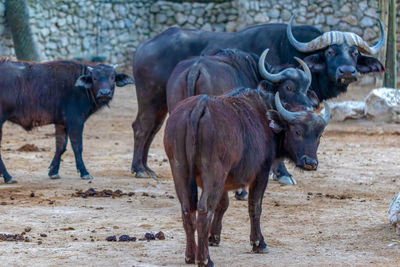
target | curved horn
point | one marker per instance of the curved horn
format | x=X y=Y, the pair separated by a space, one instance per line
x=275 y=78
x=90 y=68
x=306 y=71
x=315 y=44
x=327 y=113
x=374 y=49
x=286 y=115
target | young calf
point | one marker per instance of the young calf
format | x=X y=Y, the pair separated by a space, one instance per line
x=64 y=93
x=227 y=142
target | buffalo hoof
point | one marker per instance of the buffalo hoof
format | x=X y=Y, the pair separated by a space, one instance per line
x=10 y=180
x=207 y=263
x=260 y=248
x=214 y=240
x=284 y=179
x=54 y=176
x=190 y=260
x=145 y=174
x=241 y=194
x=87 y=177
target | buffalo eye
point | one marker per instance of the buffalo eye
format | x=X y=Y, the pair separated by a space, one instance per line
x=94 y=78
x=289 y=88
x=298 y=133
x=330 y=52
x=355 y=53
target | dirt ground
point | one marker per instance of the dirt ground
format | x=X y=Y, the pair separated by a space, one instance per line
x=334 y=216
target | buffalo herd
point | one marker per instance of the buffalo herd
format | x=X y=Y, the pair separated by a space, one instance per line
x=239 y=104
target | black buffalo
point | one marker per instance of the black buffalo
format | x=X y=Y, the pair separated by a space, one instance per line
x=227 y=69
x=63 y=93
x=332 y=67
x=250 y=137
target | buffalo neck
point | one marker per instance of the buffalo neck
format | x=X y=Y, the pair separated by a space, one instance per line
x=325 y=88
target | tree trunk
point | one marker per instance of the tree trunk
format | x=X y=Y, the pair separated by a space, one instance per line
x=390 y=74
x=17 y=17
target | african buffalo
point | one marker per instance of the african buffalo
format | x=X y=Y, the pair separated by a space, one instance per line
x=332 y=65
x=250 y=137
x=64 y=93
x=227 y=69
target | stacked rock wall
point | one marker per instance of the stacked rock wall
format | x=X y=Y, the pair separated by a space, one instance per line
x=114 y=28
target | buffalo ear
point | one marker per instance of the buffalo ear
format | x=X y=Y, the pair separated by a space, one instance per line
x=275 y=122
x=84 y=81
x=313 y=97
x=315 y=62
x=367 y=64
x=266 y=86
x=121 y=79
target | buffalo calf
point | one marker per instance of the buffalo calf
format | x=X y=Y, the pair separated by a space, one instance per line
x=63 y=93
x=227 y=142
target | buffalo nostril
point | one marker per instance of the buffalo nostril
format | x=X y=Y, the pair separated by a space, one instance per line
x=347 y=69
x=310 y=163
x=105 y=92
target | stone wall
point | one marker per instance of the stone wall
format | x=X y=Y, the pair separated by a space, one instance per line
x=114 y=28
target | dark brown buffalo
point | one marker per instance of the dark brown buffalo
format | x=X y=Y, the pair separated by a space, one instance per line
x=64 y=93
x=227 y=142
x=232 y=68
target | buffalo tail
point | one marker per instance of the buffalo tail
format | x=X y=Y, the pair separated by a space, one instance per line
x=192 y=76
x=191 y=147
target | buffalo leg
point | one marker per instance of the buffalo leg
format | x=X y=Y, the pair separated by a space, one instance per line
x=75 y=135
x=213 y=181
x=180 y=173
x=216 y=225
x=148 y=122
x=256 y=192
x=61 y=145
x=7 y=177
x=189 y=224
x=281 y=174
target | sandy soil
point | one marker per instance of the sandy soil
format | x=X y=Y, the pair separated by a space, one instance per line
x=336 y=215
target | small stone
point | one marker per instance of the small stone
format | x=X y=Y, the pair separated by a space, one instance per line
x=273 y=13
x=43 y=235
x=160 y=236
x=350 y=19
x=260 y=18
x=341 y=111
x=383 y=105
x=221 y=18
x=149 y=236
x=161 y=18
x=369 y=34
x=112 y=238
x=181 y=18
x=32 y=194
x=367 y=22
x=332 y=20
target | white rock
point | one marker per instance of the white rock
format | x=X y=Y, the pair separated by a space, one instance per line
x=181 y=18
x=383 y=104
x=341 y=111
x=394 y=213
